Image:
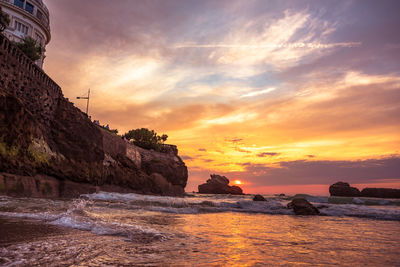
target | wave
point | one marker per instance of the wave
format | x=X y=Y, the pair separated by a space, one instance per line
x=120 y=214
x=78 y=217
x=197 y=204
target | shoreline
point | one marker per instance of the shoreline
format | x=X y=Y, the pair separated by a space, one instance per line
x=17 y=230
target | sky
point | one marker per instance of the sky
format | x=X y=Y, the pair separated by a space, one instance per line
x=285 y=96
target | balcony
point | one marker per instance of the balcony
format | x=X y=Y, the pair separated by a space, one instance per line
x=40 y=12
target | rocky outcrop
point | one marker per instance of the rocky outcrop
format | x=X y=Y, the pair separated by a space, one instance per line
x=219 y=185
x=345 y=190
x=301 y=206
x=342 y=189
x=45 y=139
x=381 y=192
x=259 y=198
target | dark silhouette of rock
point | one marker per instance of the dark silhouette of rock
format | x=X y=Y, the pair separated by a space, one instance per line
x=301 y=206
x=219 y=185
x=259 y=198
x=381 y=192
x=342 y=189
x=47 y=142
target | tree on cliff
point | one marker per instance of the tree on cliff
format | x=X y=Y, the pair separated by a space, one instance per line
x=30 y=47
x=4 y=20
x=146 y=139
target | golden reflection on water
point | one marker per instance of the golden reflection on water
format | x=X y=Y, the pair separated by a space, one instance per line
x=234 y=239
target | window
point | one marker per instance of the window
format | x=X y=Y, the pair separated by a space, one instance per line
x=21 y=27
x=19 y=3
x=39 y=15
x=29 y=7
x=39 y=38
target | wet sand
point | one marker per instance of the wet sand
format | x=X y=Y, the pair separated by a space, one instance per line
x=14 y=230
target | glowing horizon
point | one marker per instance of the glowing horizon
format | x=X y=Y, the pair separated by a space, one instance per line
x=285 y=96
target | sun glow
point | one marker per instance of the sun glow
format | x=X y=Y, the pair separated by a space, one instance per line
x=237 y=182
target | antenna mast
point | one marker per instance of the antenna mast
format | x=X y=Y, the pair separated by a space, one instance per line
x=86 y=97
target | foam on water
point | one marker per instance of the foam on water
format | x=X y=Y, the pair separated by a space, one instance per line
x=331 y=206
x=78 y=217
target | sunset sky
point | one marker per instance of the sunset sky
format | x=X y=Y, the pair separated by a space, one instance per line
x=285 y=96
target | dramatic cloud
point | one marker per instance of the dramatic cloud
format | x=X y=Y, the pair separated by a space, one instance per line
x=266 y=154
x=256 y=86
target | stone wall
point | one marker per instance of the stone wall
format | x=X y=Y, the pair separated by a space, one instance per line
x=19 y=76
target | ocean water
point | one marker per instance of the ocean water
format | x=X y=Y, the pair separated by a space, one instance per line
x=111 y=229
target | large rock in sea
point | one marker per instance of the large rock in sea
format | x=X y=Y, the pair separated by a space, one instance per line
x=259 y=198
x=343 y=189
x=49 y=148
x=301 y=206
x=381 y=192
x=219 y=185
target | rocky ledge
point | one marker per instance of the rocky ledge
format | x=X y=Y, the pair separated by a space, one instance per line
x=49 y=148
x=219 y=185
x=345 y=190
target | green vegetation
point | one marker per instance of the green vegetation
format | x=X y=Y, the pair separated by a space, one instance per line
x=30 y=47
x=146 y=139
x=4 y=20
x=8 y=152
x=37 y=156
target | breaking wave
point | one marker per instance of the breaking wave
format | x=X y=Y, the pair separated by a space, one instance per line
x=331 y=206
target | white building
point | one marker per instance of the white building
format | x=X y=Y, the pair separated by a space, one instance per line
x=28 y=18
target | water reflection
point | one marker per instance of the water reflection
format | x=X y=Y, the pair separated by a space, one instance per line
x=250 y=240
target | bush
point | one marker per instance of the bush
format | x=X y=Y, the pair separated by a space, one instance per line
x=30 y=48
x=4 y=20
x=146 y=139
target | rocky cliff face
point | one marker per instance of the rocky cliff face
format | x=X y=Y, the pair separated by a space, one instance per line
x=48 y=147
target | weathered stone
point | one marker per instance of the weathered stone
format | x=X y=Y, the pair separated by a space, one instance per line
x=219 y=185
x=42 y=134
x=259 y=198
x=301 y=206
x=342 y=189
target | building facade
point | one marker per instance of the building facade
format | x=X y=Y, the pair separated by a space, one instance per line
x=28 y=18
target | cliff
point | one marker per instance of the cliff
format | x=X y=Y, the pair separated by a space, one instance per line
x=48 y=147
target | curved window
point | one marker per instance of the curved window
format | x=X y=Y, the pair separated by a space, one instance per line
x=29 y=7
x=39 y=15
x=19 y=3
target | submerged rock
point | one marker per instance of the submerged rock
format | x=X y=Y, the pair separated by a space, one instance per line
x=219 y=185
x=342 y=189
x=259 y=198
x=301 y=206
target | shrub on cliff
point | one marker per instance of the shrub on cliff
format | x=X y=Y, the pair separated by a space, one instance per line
x=4 y=20
x=146 y=139
x=30 y=47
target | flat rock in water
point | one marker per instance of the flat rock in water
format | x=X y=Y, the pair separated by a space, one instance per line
x=381 y=192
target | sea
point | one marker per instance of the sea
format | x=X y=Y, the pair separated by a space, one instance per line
x=112 y=229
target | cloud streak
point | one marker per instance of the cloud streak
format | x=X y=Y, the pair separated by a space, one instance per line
x=251 y=85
